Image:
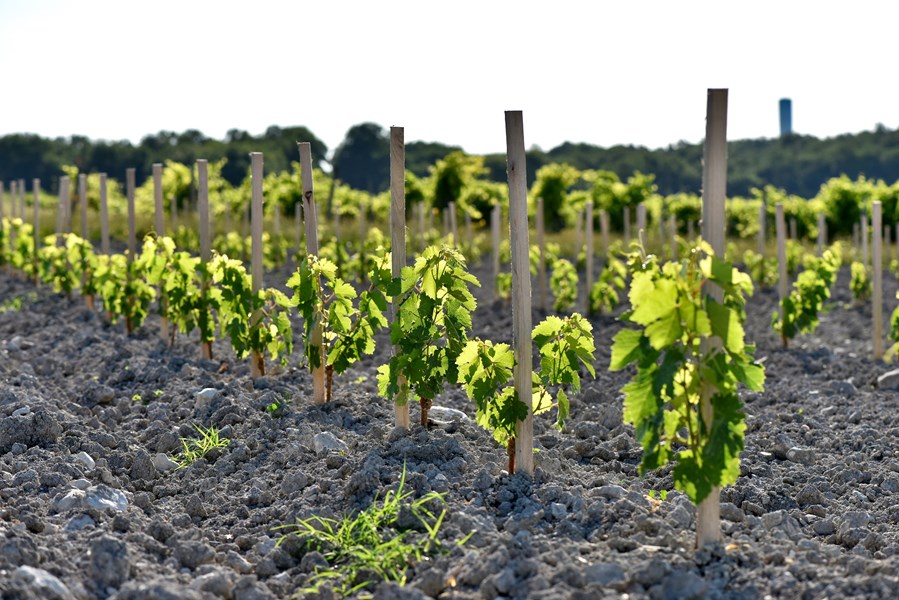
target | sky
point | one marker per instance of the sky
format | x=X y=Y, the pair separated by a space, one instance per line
x=599 y=72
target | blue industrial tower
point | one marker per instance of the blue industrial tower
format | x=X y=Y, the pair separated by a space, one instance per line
x=786 y=117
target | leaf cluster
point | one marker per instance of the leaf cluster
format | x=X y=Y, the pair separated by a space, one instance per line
x=799 y=310
x=688 y=348
x=433 y=318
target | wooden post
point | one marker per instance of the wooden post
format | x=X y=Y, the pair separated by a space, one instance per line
x=173 y=202
x=578 y=232
x=856 y=243
x=627 y=227
x=36 y=201
x=132 y=232
x=469 y=238
x=763 y=227
x=887 y=254
x=3 y=200
x=672 y=236
x=521 y=288
x=661 y=225
x=542 y=285
x=60 y=207
x=822 y=233
x=690 y=235
x=641 y=220
x=588 y=263
x=604 y=232
x=205 y=240
x=157 y=196
x=422 y=239
x=794 y=230
x=310 y=215
x=22 y=199
x=877 y=278
x=863 y=233
x=780 y=229
x=714 y=186
x=495 y=231
x=276 y=219
x=398 y=260
x=257 y=360
x=452 y=224
x=82 y=199
x=104 y=216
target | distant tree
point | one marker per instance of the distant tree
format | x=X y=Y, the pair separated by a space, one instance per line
x=362 y=160
x=452 y=174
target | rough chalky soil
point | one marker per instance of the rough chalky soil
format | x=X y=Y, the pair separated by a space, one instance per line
x=89 y=509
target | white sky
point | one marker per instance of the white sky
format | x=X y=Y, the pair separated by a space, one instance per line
x=605 y=73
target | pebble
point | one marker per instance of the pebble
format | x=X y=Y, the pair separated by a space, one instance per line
x=21 y=412
x=809 y=495
x=163 y=463
x=326 y=441
x=611 y=491
x=845 y=388
x=44 y=584
x=445 y=415
x=889 y=380
x=206 y=394
x=109 y=562
x=804 y=456
x=218 y=583
x=731 y=512
x=604 y=574
x=192 y=554
x=85 y=459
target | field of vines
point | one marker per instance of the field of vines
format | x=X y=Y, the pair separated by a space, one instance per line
x=274 y=403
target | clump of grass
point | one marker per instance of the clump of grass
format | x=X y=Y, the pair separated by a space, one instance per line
x=193 y=449
x=367 y=548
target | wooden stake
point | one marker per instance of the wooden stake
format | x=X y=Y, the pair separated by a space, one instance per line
x=877 y=278
x=794 y=230
x=173 y=202
x=495 y=233
x=22 y=199
x=104 y=216
x=257 y=361
x=627 y=227
x=604 y=232
x=310 y=215
x=887 y=253
x=588 y=263
x=398 y=257
x=714 y=185
x=36 y=193
x=856 y=243
x=661 y=224
x=452 y=223
x=690 y=235
x=863 y=232
x=542 y=285
x=672 y=236
x=780 y=229
x=82 y=199
x=641 y=219
x=205 y=240
x=469 y=237
x=157 y=196
x=60 y=207
x=132 y=232
x=822 y=233
x=363 y=233
x=521 y=287
x=578 y=233
x=763 y=227
x=422 y=238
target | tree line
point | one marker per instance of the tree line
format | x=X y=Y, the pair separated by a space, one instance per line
x=798 y=164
